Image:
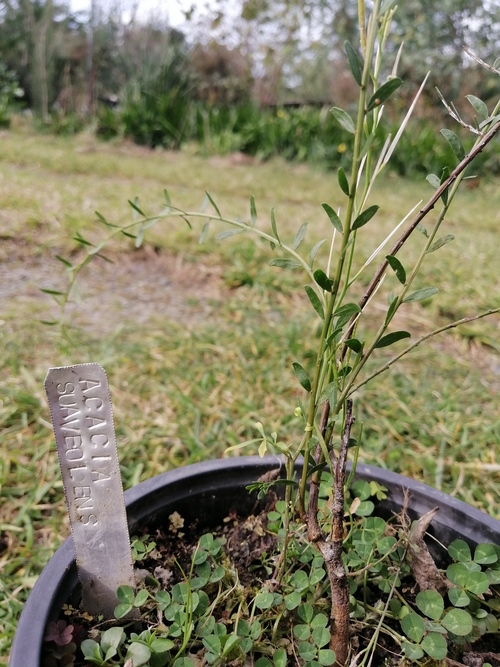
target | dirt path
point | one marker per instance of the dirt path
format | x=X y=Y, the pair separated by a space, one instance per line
x=136 y=288
x=142 y=287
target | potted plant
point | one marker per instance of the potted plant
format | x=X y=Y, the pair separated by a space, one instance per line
x=204 y=492
x=340 y=570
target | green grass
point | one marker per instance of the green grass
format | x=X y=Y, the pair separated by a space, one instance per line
x=184 y=389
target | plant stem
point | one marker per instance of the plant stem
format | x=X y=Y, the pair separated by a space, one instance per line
x=332 y=298
x=331 y=547
x=424 y=211
x=452 y=180
x=415 y=344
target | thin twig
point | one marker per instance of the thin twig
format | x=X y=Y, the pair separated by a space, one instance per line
x=435 y=332
x=481 y=62
x=423 y=212
x=456 y=116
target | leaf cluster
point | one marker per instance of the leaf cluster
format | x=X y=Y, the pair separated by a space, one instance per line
x=211 y=612
x=467 y=612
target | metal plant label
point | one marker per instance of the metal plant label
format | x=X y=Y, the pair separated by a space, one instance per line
x=82 y=418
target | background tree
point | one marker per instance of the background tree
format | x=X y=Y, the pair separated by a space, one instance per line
x=295 y=45
x=270 y=51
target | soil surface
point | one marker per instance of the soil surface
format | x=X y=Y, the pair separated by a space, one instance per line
x=245 y=539
x=137 y=287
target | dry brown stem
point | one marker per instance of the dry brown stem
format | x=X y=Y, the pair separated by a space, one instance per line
x=331 y=546
x=424 y=211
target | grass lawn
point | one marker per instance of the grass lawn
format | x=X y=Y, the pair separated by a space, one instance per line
x=198 y=340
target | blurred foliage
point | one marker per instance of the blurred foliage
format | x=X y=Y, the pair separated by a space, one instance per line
x=234 y=53
x=304 y=134
x=11 y=95
x=157 y=103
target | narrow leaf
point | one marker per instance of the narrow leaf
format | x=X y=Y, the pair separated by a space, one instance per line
x=204 y=204
x=104 y=258
x=344 y=371
x=441 y=242
x=102 y=219
x=391 y=338
x=479 y=106
x=391 y=310
x=368 y=144
x=52 y=292
x=302 y=376
x=455 y=143
x=354 y=344
x=79 y=239
x=204 y=232
x=364 y=217
x=444 y=175
x=139 y=238
x=433 y=180
x=135 y=205
x=299 y=236
x=213 y=204
x=150 y=223
x=334 y=218
x=284 y=263
x=97 y=248
x=64 y=261
x=253 y=211
x=167 y=197
x=333 y=336
x=344 y=120
x=489 y=121
x=329 y=394
x=397 y=267
x=314 y=251
x=347 y=310
x=323 y=280
x=421 y=294
x=228 y=233
x=315 y=301
x=354 y=62
x=273 y=225
x=420 y=228
x=343 y=182
x=384 y=92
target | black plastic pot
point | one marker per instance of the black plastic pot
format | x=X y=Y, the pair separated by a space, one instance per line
x=207 y=492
